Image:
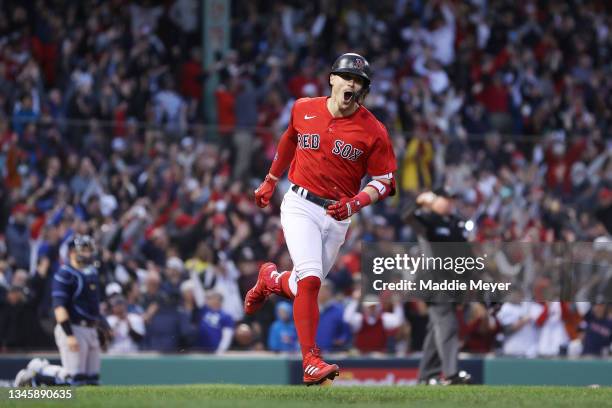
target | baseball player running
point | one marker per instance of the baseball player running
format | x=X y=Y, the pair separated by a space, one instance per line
x=76 y=305
x=331 y=143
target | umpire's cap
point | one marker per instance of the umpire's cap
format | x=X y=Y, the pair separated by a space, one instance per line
x=355 y=64
x=447 y=192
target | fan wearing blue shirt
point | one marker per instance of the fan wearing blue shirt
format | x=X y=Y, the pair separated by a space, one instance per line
x=283 y=336
x=216 y=328
x=597 y=327
x=333 y=333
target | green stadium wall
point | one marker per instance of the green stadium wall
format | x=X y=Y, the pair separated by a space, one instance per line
x=507 y=371
x=194 y=369
x=279 y=370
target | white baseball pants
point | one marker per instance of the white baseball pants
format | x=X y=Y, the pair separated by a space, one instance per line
x=87 y=359
x=313 y=237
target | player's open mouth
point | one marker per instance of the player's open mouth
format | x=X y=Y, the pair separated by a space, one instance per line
x=348 y=95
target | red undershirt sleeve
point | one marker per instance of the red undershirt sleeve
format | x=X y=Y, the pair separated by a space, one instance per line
x=285 y=150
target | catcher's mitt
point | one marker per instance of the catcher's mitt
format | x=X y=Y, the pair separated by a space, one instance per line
x=105 y=333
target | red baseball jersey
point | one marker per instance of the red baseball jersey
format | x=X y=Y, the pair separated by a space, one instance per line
x=334 y=154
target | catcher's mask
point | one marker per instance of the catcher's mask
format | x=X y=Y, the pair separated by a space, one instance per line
x=81 y=244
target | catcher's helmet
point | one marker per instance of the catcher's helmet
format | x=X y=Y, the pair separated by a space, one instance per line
x=80 y=242
x=355 y=64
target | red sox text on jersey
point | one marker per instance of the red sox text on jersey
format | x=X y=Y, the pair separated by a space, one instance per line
x=334 y=154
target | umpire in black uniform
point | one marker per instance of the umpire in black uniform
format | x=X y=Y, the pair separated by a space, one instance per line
x=434 y=220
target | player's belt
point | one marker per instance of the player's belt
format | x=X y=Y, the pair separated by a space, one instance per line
x=85 y=323
x=320 y=201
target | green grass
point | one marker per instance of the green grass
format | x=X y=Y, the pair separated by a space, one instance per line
x=236 y=396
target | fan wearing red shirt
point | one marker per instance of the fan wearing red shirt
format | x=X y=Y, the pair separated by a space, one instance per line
x=331 y=143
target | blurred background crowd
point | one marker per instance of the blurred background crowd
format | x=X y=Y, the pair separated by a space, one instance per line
x=102 y=131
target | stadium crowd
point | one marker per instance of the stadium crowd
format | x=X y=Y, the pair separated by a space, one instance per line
x=102 y=132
